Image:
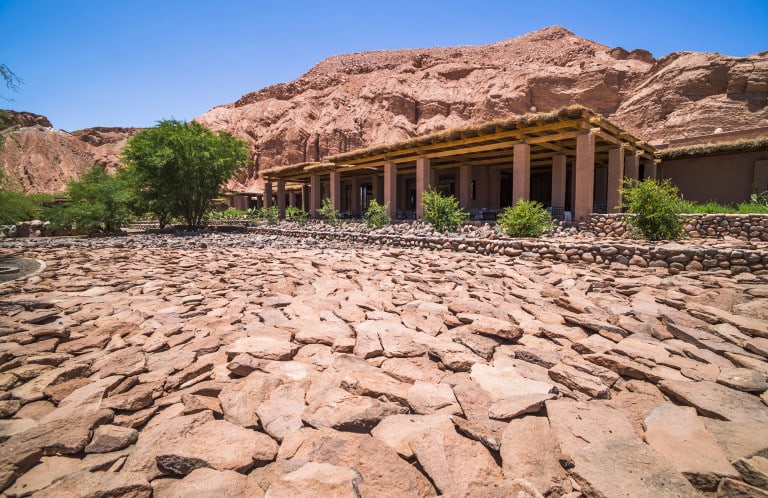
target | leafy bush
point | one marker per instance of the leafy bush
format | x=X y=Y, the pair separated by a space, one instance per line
x=376 y=215
x=330 y=214
x=526 y=219
x=297 y=214
x=443 y=212
x=759 y=198
x=656 y=207
x=17 y=206
x=271 y=214
x=98 y=201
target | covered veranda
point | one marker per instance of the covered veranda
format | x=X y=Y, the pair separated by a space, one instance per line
x=573 y=161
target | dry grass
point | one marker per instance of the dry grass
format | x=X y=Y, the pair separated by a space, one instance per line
x=746 y=145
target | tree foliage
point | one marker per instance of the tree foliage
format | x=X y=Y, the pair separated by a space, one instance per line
x=98 y=201
x=443 y=212
x=526 y=219
x=330 y=213
x=176 y=168
x=656 y=207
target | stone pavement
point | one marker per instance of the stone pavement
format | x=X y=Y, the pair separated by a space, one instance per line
x=260 y=366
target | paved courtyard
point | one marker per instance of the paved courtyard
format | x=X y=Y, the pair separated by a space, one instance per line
x=243 y=365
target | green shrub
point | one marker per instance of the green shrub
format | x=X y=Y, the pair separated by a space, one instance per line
x=98 y=201
x=297 y=214
x=656 y=207
x=443 y=212
x=330 y=213
x=759 y=198
x=526 y=219
x=17 y=206
x=376 y=215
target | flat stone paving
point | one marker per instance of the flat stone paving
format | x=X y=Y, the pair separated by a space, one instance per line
x=239 y=365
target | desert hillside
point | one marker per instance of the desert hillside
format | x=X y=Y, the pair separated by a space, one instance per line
x=362 y=99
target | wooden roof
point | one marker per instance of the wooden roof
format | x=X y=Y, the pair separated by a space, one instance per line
x=488 y=144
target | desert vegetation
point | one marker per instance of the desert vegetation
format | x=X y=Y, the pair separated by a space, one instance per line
x=443 y=212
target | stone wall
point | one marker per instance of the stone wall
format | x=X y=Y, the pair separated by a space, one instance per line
x=675 y=257
x=747 y=227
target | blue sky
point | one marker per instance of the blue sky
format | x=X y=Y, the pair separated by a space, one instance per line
x=133 y=62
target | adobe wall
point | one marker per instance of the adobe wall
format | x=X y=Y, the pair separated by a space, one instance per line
x=725 y=178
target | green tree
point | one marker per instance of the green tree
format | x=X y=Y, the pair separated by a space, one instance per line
x=176 y=168
x=97 y=201
x=12 y=82
x=656 y=208
x=443 y=212
x=526 y=219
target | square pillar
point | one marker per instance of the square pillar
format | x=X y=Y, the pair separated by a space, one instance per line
x=335 y=181
x=494 y=189
x=355 y=207
x=760 y=175
x=376 y=190
x=268 y=195
x=305 y=198
x=292 y=199
x=465 y=186
x=281 y=197
x=390 y=189
x=521 y=173
x=314 y=195
x=584 y=176
x=423 y=181
x=632 y=166
x=650 y=170
x=615 y=178
x=558 y=181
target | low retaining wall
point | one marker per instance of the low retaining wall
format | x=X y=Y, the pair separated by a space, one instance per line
x=747 y=227
x=672 y=256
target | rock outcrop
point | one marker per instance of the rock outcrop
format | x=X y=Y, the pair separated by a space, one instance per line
x=357 y=100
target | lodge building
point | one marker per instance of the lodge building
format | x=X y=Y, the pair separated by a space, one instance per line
x=572 y=160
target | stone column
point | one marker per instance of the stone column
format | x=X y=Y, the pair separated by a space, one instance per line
x=376 y=188
x=355 y=207
x=315 y=199
x=760 y=175
x=558 y=181
x=335 y=181
x=465 y=186
x=423 y=177
x=632 y=166
x=650 y=170
x=390 y=189
x=268 y=195
x=615 y=178
x=281 y=197
x=305 y=198
x=292 y=199
x=585 y=176
x=521 y=173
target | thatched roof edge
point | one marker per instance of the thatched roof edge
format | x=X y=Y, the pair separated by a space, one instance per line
x=745 y=145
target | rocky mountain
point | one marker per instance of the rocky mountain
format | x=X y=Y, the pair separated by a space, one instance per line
x=40 y=158
x=362 y=99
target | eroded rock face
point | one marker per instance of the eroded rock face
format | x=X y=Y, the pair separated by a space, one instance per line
x=190 y=367
x=357 y=100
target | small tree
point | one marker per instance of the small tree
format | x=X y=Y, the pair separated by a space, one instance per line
x=98 y=201
x=443 y=212
x=330 y=213
x=656 y=208
x=526 y=219
x=177 y=168
x=376 y=215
